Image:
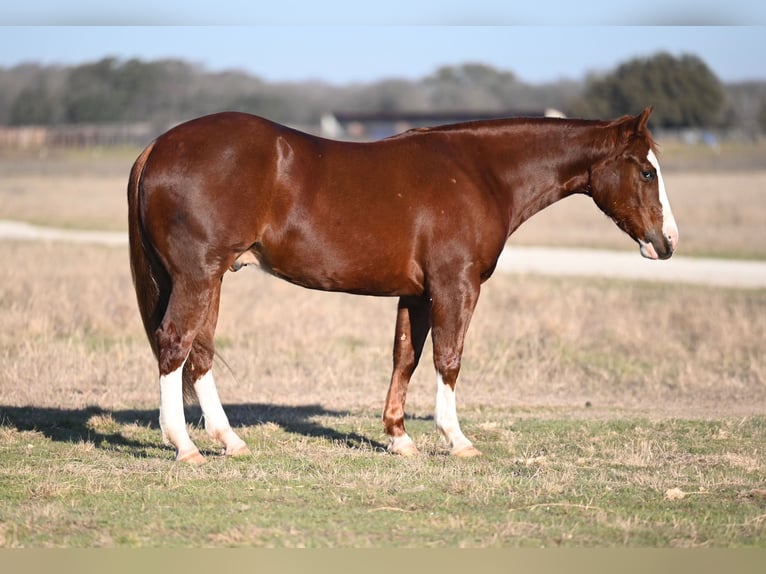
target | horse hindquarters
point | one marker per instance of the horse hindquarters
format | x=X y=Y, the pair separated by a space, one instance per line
x=179 y=314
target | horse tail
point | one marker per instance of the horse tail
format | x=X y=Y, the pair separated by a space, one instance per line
x=150 y=279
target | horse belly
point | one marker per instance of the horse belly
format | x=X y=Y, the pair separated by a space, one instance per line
x=350 y=267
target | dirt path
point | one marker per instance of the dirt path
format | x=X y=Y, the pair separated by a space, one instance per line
x=630 y=265
x=535 y=260
x=24 y=231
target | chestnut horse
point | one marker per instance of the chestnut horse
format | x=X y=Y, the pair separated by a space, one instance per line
x=422 y=216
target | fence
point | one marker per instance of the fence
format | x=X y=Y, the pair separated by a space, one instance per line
x=77 y=136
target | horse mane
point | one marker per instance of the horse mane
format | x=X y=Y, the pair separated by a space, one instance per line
x=495 y=123
x=636 y=125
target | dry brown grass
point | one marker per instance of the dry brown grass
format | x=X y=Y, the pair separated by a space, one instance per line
x=71 y=337
x=85 y=190
x=85 y=202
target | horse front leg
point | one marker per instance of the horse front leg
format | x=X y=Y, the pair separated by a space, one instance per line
x=451 y=314
x=412 y=325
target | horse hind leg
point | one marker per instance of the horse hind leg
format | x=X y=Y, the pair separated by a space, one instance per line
x=216 y=422
x=187 y=309
x=198 y=374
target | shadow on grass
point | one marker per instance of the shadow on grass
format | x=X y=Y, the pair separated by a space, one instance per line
x=74 y=425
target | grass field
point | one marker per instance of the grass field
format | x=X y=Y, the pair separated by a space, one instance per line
x=610 y=413
x=670 y=451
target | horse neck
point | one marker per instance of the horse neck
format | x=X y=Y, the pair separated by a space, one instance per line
x=536 y=163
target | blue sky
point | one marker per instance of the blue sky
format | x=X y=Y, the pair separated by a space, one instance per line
x=362 y=42
x=389 y=12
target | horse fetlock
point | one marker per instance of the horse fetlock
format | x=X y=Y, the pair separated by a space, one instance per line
x=465 y=451
x=191 y=456
x=402 y=445
x=234 y=446
x=237 y=451
x=458 y=444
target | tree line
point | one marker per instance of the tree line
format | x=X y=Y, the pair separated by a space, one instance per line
x=683 y=90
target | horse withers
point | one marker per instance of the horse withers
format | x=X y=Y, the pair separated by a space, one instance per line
x=422 y=216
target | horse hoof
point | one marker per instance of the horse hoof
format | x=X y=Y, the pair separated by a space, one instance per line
x=191 y=457
x=403 y=446
x=238 y=451
x=469 y=451
x=407 y=450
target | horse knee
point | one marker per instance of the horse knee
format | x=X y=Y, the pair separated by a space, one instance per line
x=448 y=366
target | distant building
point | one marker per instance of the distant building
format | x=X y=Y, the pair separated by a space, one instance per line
x=378 y=125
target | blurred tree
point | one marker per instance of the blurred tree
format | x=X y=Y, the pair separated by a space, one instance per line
x=261 y=104
x=473 y=86
x=137 y=85
x=164 y=92
x=31 y=94
x=683 y=91
x=92 y=94
x=33 y=105
x=110 y=90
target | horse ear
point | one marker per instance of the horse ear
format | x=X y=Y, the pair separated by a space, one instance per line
x=642 y=119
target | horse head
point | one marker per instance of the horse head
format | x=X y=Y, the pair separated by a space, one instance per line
x=627 y=185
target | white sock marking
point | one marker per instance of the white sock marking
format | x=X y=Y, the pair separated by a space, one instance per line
x=216 y=422
x=445 y=416
x=212 y=409
x=172 y=420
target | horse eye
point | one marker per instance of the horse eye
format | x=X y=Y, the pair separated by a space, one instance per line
x=647 y=174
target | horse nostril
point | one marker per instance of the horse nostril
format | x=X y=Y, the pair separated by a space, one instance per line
x=671 y=236
x=672 y=240
x=670 y=244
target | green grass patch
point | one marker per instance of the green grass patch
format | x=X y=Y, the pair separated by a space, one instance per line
x=322 y=479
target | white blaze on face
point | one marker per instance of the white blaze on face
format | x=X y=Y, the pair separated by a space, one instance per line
x=669 y=227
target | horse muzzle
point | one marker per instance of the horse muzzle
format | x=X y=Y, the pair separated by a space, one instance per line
x=659 y=246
